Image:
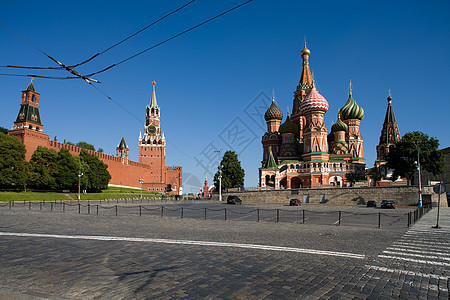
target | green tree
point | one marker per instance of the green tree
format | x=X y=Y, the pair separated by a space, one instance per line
x=232 y=172
x=168 y=188
x=44 y=168
x=96 y=176
x=85 y=145
x=3 y=130
x=13 y=167
x=100 y=150
x=67 y=170
x=351 y=178
x=402 y=157
x=375 y=174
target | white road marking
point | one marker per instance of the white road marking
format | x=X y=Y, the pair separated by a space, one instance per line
x=416 y=260
x=405 y=249
x=186 y=242
x=416 y=255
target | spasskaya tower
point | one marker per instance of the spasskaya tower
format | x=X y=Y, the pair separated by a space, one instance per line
x=152 y=146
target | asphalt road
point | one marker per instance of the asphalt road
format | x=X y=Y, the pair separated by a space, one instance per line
x=52 y=254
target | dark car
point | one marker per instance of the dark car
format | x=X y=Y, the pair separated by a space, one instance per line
x=295 y=202
x=371 y=203
x=234 y=200
x=387 y=204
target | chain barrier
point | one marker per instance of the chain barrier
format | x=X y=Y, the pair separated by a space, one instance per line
x=302 y=215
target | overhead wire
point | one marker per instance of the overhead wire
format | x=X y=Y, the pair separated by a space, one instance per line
x=169 y=39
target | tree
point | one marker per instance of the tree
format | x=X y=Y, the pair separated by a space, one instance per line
x=168 y=188
x=96 y=176
x=375 y=174
x=67 y=170
x=3 y=130
x=402 y=157
x=232 y=172
x=44 y=169
x=85 y=145
x=13 y=167
x=100 y=150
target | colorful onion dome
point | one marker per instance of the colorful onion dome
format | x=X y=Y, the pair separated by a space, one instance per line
x=273 y=112
x=288 y=126
x=351 y=110
x=339 y=125
x=305 y=51
x=313 y=102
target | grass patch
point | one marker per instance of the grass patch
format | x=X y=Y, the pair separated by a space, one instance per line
x=33 y=196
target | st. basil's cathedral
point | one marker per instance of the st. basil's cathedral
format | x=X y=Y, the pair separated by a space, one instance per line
x=301 y=152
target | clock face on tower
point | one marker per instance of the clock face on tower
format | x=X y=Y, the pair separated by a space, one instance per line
x=151 y=129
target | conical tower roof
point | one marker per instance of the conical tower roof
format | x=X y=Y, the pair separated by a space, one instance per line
x=30 y=87
x=122 y=143
x=271 y=164
x=153 y=103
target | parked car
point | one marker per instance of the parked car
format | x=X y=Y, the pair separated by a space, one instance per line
x=387 y=204
x=234 y=200
x=295 y=202
x=371 y=203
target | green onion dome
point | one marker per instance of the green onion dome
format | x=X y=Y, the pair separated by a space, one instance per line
x=351 y=110
x=339 y=125
x=288 y=126
x=273 y=112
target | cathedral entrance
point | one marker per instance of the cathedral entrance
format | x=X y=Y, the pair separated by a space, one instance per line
x=296 y=183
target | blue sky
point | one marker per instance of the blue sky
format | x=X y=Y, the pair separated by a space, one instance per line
x=213 y=83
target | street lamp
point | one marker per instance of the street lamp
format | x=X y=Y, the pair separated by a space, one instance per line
x=418 y=171
x=220 y=177
x=79 y=181
x=141 y=180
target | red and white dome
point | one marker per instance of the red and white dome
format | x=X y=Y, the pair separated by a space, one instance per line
x=314 y=102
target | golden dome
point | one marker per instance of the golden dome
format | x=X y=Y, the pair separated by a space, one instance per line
x=305 y=51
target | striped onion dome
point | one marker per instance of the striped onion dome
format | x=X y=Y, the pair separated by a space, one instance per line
x=339 y=125
x=351 y=110
x=288 y=126
x=273 y=112
x=314 y=102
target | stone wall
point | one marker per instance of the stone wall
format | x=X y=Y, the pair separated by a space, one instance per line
x=402 y=195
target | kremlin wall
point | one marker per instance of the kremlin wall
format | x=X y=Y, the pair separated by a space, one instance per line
x=28 y=129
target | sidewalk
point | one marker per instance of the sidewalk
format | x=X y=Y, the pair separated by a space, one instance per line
x=430 y=219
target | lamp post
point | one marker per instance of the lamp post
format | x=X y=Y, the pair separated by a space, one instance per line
x=141 y=180
x=418 y=171
x=79 y=181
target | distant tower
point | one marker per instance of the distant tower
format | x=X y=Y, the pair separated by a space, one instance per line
x=206 y=190
x=29 y=116
x=152 y=146
x=390 y=134
x=122 y=151
x=28 y=125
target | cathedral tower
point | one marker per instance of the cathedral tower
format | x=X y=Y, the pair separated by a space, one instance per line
x=390 y=134
x=152 y=146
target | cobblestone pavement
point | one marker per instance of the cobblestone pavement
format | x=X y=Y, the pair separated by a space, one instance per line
x=54 y=255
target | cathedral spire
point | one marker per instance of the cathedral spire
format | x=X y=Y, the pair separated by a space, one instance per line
x=390 y=134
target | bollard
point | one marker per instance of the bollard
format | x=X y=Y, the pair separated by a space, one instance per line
x=303 y=221
x=339 y=220
x=97 y=209
x=205 y=213
x=225 y=213
x=79 y=208
x=278 y=215
x=162 y=211
x=140 y=211
x=408 y=222
x=9 y=204
x=64 y=206
x=257 y=210
x=182 y=213
x=379 y=220
x=89 y=209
